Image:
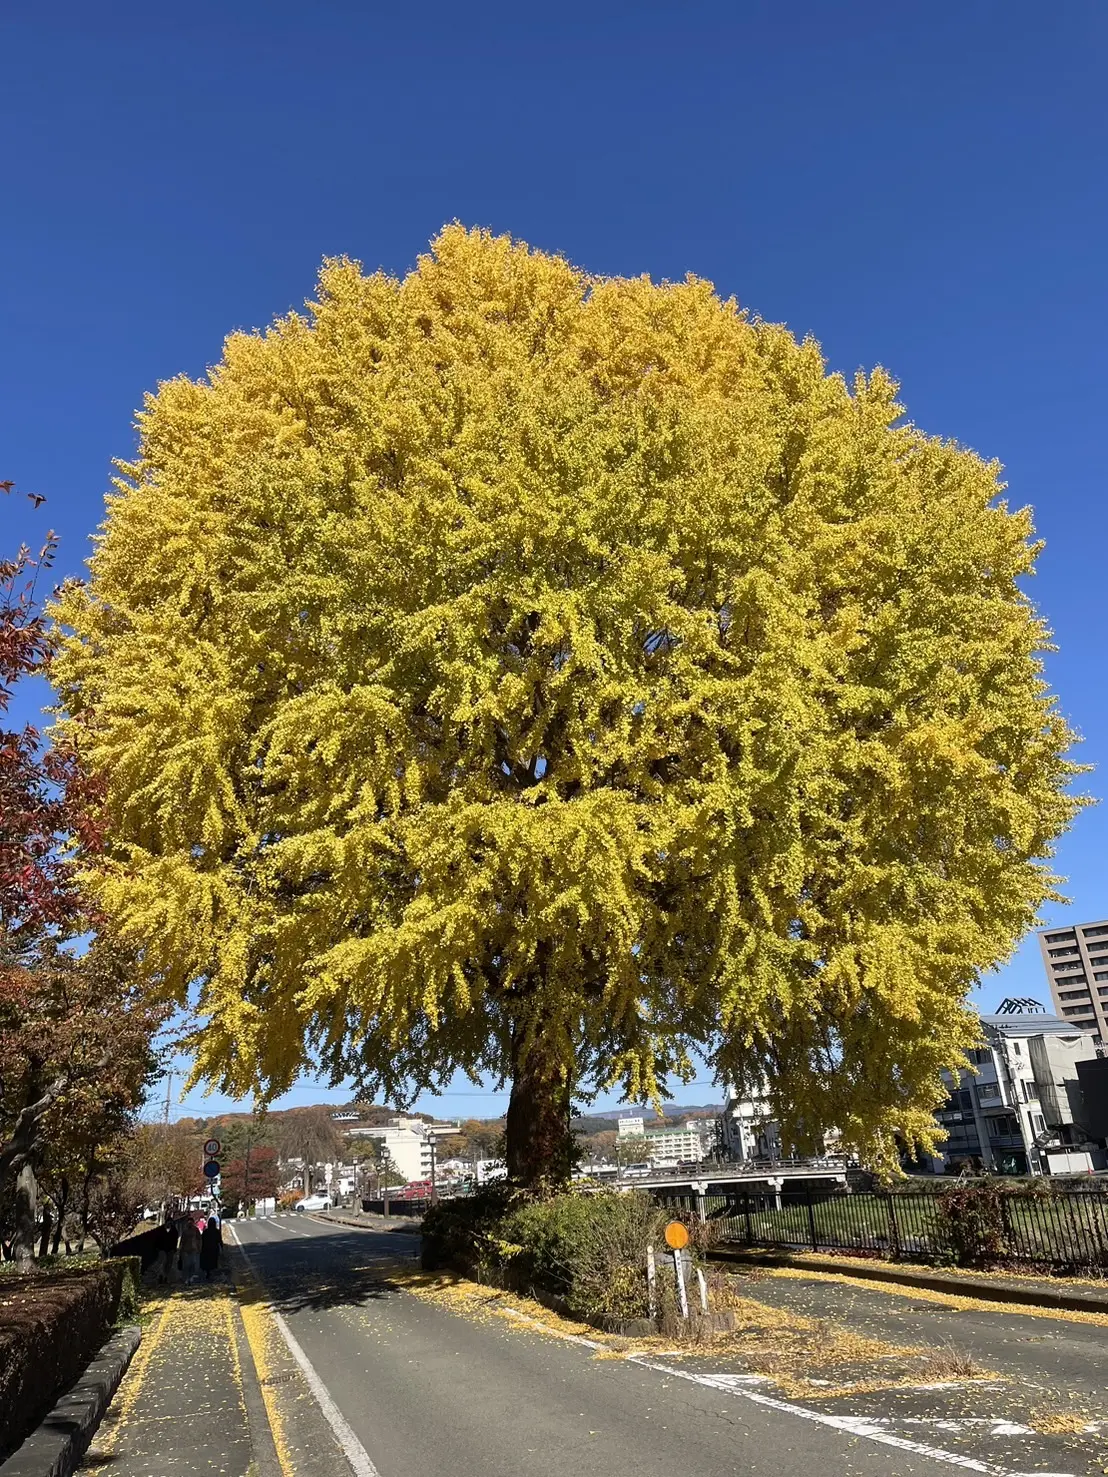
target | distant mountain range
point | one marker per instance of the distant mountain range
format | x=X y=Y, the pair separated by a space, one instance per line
x=671 y=1110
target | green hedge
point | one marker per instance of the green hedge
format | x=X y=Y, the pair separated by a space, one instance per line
x=587 y=1249
x=51 y=1325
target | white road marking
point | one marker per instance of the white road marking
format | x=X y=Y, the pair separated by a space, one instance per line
x=851 y=1425
x=360 y=1462
x=740 y=1385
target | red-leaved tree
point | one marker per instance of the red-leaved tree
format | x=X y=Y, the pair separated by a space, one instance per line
x=253 y=1177
x=75 y=1036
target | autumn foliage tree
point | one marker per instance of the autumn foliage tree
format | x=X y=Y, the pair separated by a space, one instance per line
x=75 y=1032
x=510 y=671
x=254 y=1176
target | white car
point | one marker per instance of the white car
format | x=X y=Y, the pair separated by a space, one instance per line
x=314 y=1202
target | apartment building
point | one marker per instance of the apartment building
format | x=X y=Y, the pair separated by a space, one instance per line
x=1076 y=964
x=1021 y=1106
x=410 y=1142
x=695 y=1139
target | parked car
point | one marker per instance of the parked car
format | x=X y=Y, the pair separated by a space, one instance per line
x=314 y=1202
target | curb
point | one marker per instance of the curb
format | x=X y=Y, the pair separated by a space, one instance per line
x=262 y=1439
x=934 y=1281
x=331 y=1217
x=55 y=1447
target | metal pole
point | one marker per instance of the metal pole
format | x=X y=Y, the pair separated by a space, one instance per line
x=651 y=1282
x=702 y=1282
x=679 y=1274
x=811 y=1218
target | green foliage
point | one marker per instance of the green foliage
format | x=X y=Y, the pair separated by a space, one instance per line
x=587 y=1249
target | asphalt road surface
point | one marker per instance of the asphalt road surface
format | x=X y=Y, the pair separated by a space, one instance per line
x=412 y=1388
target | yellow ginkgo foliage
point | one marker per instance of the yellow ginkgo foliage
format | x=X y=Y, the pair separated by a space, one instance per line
x=559 y=678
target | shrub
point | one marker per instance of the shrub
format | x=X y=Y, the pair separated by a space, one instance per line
x=51 y=1325
x=970 y=1221
x=587 y=1249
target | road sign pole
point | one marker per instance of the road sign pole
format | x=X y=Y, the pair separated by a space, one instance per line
x=679 y=1274
x=651 y=1283
x=702 y=1282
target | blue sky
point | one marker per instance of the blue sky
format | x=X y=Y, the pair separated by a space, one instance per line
x=919 y=186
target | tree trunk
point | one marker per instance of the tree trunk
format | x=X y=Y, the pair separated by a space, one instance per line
x=62 y=1206
x=44 y=1239
x=26 y=1196
x=540 y=1147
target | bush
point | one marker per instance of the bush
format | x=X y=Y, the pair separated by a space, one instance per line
x=970 y=1221
x=51 y=1325
x=587 y=1249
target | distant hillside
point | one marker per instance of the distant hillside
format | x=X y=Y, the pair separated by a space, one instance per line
x=671 y=1110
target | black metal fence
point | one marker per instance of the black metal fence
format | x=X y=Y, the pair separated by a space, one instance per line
x=396 y=1207
x=1060 y=1230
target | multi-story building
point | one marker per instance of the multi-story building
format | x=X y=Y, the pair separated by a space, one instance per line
x=747 y=1129
x=1022 y=1102
x=1076 y=964
x=409 y=1142
x=695 y=1139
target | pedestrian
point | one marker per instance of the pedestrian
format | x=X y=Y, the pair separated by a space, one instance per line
x=190 y=1250
x=167 y=1252
x=211 y=1244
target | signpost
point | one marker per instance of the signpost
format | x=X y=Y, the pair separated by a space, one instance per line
x=677 y=1239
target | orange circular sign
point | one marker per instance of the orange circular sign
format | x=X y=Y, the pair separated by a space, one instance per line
x=677 y=1235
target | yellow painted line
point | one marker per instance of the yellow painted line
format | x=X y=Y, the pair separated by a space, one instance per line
x=261 y=1333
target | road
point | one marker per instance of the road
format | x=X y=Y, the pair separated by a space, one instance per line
x=410 y=1386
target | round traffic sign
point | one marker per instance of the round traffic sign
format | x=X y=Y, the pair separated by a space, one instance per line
x=677 y=1235
x=211 y=1169
x=212 y=1147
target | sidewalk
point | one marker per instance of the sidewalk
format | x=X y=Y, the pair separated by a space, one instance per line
x=183 y=1406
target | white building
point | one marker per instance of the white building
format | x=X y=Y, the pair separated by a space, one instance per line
x=1018 y=1110
x=695 y=1139
x=409 y=1151
x=747 y=1129
x=631 y=1127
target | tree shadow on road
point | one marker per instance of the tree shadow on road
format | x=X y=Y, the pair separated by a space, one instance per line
x=329 y=1271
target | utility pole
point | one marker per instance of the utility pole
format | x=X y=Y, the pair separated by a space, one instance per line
x=168 y=1090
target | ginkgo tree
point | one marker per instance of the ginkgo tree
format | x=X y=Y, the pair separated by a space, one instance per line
x=510 y=671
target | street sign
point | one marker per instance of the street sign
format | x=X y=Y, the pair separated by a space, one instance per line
x=677 y=1235
x=211 y=1169
x=212 y=1148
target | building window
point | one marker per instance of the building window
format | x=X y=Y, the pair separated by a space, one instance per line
x=1030 y=1092
x=1038 y=1122
x=1102 y=960
x=1063 y=968
x=1095 y=933
x=988 y=1092
x=1017 y=1048
x=1077 y=1009
x=1073 y=994
x=1004 y=1125
x=1103 y=976
x=1063 y=953
x=1056 y=938
x=980 y=1056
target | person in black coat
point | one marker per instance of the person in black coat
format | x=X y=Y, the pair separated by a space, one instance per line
x=211 y=1244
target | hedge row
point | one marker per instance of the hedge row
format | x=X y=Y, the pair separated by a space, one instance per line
x=586 y=1249
x=51 y=1325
